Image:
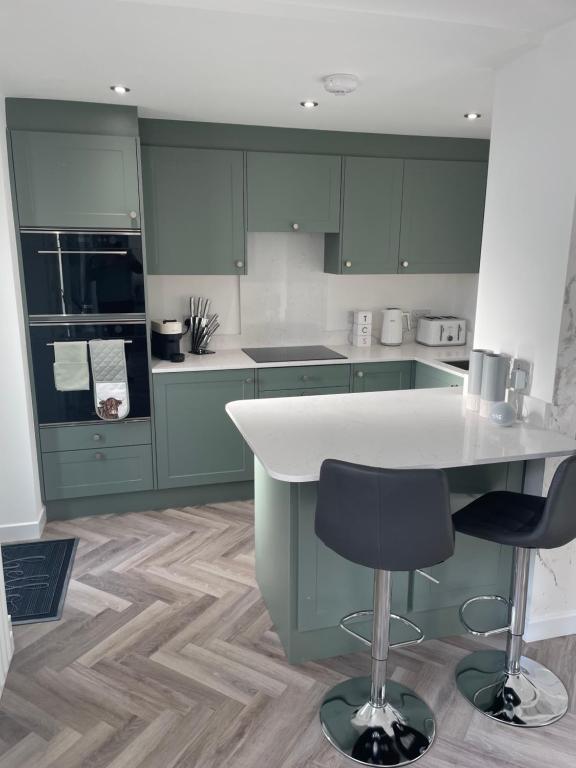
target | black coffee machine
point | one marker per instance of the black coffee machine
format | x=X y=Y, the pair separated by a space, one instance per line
x=166 y=335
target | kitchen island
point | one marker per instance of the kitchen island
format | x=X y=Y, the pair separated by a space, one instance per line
x=307 y=587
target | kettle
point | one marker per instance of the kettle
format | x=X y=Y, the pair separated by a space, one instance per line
x=392 y=325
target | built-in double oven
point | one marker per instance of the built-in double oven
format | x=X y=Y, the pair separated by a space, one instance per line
x=81 y=286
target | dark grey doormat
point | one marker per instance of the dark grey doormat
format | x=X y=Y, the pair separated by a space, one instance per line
x=36 y=575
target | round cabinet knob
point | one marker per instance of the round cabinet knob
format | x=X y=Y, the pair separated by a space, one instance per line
x=348 y=264
x=295 y=227
x=305 y=378
x=239 y=264
x=249 y=381
x=96 y=437
x=98 y=456
x=133 y=215
x=404 y=264
x=360 y=374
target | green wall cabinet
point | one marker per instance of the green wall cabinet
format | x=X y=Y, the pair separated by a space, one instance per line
x=194 y=205
x=76 y=180
x=371 y=208
x=196 y=441
x=428 y=377
x=379 y=377
x=442 y=216
x=291 y=192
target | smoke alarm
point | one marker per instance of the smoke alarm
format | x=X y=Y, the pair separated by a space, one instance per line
x=341 y=84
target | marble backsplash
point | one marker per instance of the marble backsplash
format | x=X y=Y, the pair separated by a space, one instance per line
x=287 y=298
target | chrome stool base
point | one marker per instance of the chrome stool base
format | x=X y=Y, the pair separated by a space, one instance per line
x=398 y=733
x=532 y=698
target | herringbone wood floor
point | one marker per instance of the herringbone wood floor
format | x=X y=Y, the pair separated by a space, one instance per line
x=166 y=658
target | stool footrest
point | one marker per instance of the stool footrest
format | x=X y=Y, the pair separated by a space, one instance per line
x=478 y=632
x=369 y=613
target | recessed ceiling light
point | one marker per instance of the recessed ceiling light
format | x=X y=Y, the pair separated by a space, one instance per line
x=121 y=90
x=472 y=115
x=309 y=104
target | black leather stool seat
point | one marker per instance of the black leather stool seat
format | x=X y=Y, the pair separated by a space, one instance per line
x=503 y=517
x=521 y=520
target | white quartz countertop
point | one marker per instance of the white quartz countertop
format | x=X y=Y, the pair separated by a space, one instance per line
x=229 y=359
x=401 y=429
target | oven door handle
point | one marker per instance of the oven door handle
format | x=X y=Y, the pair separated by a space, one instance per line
x=88 y=253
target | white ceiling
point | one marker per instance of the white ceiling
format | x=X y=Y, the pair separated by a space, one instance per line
x=422 y=63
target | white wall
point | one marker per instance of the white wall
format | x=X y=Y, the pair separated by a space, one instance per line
x=526 y=255
x=21 y=509
x=529 y=207
x=287 y=298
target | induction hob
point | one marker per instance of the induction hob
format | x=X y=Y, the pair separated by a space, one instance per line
x=291 y=354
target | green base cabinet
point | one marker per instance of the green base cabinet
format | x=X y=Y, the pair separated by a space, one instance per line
x=307 y=588
x=302 y=377
x=380 y=377
x=428 y=377
x=442 y=216
x=291 y=192
x=196 y=442
x=371 y=209
x=194 y=205
x=76 y=180
x=74 y=474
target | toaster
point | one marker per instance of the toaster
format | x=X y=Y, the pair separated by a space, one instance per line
x=441 y=331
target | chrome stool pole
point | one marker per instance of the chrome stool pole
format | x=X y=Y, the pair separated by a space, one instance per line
x=504 y=685
x=372 y=720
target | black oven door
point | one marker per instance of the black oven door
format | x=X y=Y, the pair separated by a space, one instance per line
x=83 y=273
x=56 y=407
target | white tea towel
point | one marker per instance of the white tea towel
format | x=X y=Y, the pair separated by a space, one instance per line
x=111 y=396
x=71 y=372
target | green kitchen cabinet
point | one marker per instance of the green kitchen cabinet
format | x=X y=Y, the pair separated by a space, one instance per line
x=194 y=205
x=369 y=238
x=76 y=180
x=428 y=377
x=378 y=377
x=80 y=473
x=300 y=377
x=442 y=216
x=291 y=192
x=196 y=441
x=304 y=392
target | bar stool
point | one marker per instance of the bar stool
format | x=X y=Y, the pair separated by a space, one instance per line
x=505 y=685
x=387 y=520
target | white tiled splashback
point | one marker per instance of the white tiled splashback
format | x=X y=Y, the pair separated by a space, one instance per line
x=286 y=298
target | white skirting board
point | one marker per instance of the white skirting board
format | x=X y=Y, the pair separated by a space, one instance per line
x=556 y=625
x=23 y=531
x=6 y=636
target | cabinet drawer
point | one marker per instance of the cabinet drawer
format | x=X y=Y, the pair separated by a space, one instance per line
x=304 y=392
x=72 y=474
x=95 y=436
x=303 y=377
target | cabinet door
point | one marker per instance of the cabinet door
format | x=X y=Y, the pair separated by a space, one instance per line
x=196 y=442
x=194 y=205
x=370 y=230
x=428 y=377
x=289 y=192
x=442 y=216
x=76 y=180
x=378 y=377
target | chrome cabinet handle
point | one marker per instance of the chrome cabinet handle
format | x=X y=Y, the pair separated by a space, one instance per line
x=404 y=264
x=348 y=264
x=96 y=437
x=295 y=227
x=239 y=264
x=133 y=215
x=360 y=374
x=98 y=456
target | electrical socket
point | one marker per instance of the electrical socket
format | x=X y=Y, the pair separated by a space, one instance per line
x=521 y=376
